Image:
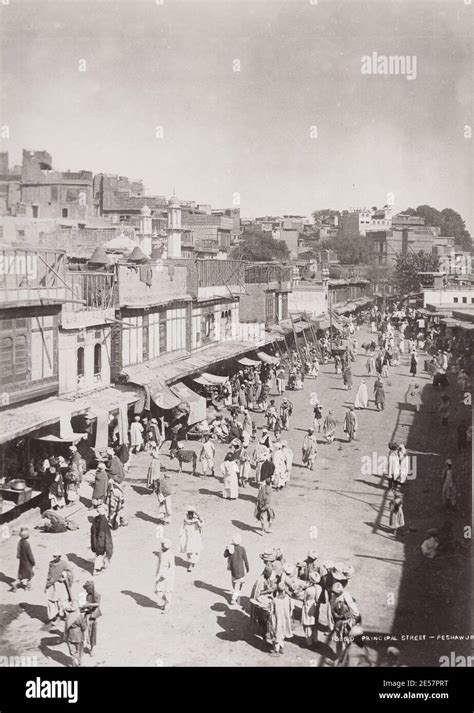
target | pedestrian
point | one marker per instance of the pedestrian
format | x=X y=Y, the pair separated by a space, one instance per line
x=286 y=409
x=190 y=538
x=101 y=481
x=350 y=424
x=444 y=409
x=74 y=631
x=238 y=565
x=163 y=494
x=356 y=654
x=245 y=468
x=379 y=393
x=413 y=396
x=317 y=415
x=101 y=540
x=279 y=461
x=136 y=435
x=55 y=489
x=347 y=378
x=463 y=380
x=288 y=454
x=230 y=475
x=280 y=625
x=154 y=469
x=413 y=364
x=115 y=466
x=361 y=400
x=280 y=379
x=370 y=365
x=397 y=519
x=404 y=464
x=115 y=504
x=393 y=464
x=329 y=427
x=26 y=562
x=264 y=512
x=206 y=455
x=309 y=449
x=430 y=545
x=310 y=608
x=165 y=572
x=91 y=611
x=58 y=586
x=259 y=455
x=448 y=489
x=343 y=614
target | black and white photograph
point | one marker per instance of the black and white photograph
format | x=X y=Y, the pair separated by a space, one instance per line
x=236 y=337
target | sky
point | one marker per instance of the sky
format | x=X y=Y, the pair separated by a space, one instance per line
x=298 y=128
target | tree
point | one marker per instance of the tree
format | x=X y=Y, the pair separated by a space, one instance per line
x=407 y=268
x=450 y=223
x=352 y=249
x=259 y=247
x=321 y=217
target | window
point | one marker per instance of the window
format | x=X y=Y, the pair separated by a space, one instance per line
x=6 y=357
x=80 y=362
x=472 y=300
x=464 y=299
x=97 y=359
x=64 y=213
x=456 y=300
x=35 y=209
x=132 y=349
x=14 y=351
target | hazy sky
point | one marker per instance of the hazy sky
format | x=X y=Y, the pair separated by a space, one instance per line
x=171 y=65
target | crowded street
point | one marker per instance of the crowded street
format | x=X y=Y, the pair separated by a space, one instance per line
x=340 y=509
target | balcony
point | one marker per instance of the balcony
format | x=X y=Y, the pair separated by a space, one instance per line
x=93 y=295
x=28 y=276
x=270 y=276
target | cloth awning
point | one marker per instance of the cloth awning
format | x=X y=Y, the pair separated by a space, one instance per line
x=248 y=362
x=144 y=375
x=50 y=438
x=211 y=379
x=196 y=402
x=267 y=359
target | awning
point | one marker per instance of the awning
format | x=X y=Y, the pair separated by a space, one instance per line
x=196 y=402
x=211 y=379
x=248 y=362
x=163 y=397
x=144 y=375
x=267 y=359
x=56 y=439
x=22 y=420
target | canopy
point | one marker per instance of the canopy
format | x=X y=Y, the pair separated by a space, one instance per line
x=162 y=396
x=197 y=404
x=267 y=359
x=211 y=379
x=248 y=362
x=56 y=439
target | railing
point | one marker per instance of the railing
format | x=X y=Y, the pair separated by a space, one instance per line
x=94 y=289
x=31 y=274
x=263 y=274
x=220 y=272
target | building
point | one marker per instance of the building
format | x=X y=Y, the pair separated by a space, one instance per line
x=210 y=235
x=32 y=291
x=46 y=193
x=267 y=289
x=10 y=180
x=357 y=221
x=407 y=234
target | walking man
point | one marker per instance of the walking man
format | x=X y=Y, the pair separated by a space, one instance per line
x=238 y=565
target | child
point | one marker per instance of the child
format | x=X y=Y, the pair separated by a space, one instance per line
x=397 y=519
x=26 y=561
